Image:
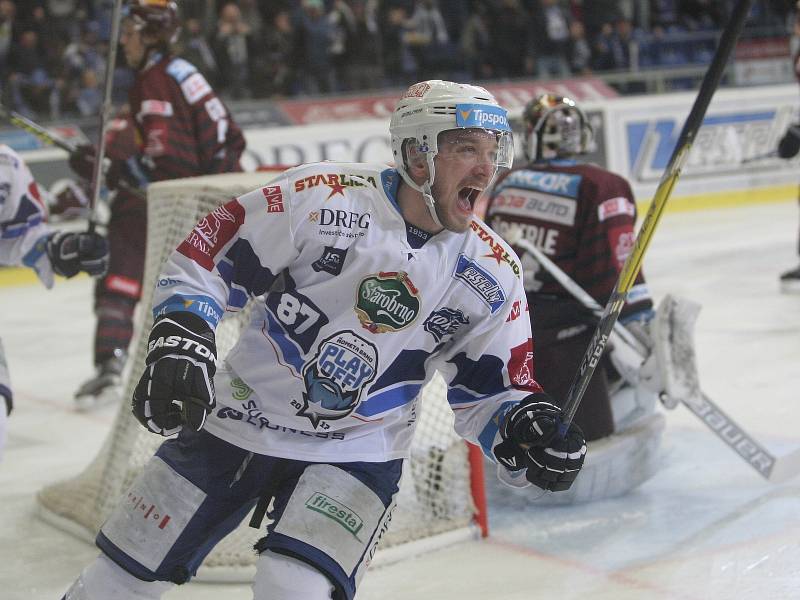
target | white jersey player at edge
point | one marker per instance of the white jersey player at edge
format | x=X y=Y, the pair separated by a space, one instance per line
x=367 y=280
x=27 y=240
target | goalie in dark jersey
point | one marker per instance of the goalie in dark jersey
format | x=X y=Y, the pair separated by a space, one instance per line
x=178 y=127
x=582 y=218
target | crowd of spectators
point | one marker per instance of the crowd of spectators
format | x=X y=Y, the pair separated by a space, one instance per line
x=53 y=52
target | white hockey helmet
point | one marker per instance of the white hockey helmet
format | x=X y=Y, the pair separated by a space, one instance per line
x=555 y=127
x=430 y=107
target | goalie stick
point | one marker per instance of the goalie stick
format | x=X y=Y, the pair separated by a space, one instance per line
x=767 y=465
x=633 y=263
x=53 y=139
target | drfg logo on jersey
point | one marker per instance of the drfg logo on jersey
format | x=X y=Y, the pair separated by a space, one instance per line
x=335 y=379
x=387 y=302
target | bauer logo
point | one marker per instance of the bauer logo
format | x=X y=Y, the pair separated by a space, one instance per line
x=482 y=115
x=479 y=282
x=336 y=511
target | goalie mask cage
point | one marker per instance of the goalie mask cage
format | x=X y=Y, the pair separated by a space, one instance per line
x=441 y=497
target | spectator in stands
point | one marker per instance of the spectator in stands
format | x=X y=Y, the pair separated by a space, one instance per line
x=551 y=38
x=232 y=47
x=33 y=89
x=476 y=43
x=8 y=13
x=90 y=97
x=313 y=46
x=364 y=71
x=399 y=64
x=697 y=15
x=602 y=54
x=512 y=54
x=342 y=31
x=427 y=37
x=580 y=53
x=195 y=48
x=277 y=58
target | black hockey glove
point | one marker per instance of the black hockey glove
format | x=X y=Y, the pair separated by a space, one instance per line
x=73 y=252
x=116 y=172
x=789 y=144
x=531 y=442
x=177 y=387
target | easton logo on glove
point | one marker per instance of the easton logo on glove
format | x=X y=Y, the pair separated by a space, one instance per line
x=181 y=343
x=177 y=386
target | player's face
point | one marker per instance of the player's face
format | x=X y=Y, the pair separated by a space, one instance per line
x=132 y=44
x=465 y=164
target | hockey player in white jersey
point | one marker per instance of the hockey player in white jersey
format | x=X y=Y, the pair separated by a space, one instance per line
x=27 y=240
x=367 y=280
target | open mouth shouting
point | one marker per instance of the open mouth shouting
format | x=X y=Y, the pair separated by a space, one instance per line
x=467 y=197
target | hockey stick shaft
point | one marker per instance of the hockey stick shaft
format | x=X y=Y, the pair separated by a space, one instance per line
x=45 y=135
x=105 y=114
x=703 y=407
x=53 y=139
x=633 y=263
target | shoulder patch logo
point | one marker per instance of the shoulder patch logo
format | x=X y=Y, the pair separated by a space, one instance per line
x=274 y=197
x=480 y=283
x=212 y=233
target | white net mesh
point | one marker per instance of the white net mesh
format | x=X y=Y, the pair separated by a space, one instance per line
x=435 y=492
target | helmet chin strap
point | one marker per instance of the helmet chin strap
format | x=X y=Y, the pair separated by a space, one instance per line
x=427 y=194
x=430 y=203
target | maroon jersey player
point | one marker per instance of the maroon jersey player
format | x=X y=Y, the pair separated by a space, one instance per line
x=582 y=217
x=178 y=127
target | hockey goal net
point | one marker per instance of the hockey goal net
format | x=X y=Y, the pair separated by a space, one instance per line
x=441 y=496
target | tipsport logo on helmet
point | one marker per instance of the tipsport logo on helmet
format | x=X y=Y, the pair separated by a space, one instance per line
x=484 y=116
x=337 y=376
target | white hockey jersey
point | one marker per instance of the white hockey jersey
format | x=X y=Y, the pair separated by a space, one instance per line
x=23 y=215
x=353 y=320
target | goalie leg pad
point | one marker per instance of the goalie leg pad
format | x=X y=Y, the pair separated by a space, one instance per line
x=103 y=579
x=615 y=465
x=332 y=517
x=630 y=405
x=280 y=577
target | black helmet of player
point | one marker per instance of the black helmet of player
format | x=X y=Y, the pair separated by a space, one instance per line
x=155 y=19
x=555 y=128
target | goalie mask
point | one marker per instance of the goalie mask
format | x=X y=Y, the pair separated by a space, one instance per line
x=555 y=128
x=428 y=109
x=154 y=18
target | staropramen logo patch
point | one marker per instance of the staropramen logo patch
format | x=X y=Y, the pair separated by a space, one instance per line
x=387 y=302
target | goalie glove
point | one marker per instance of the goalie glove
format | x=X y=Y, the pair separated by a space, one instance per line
x=73 y=252
x=531 y=442
x=177 y=387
